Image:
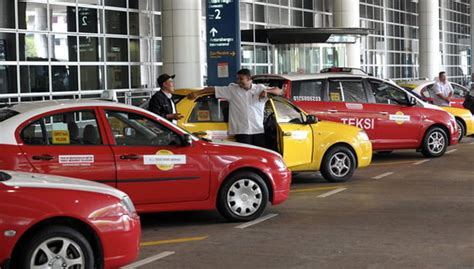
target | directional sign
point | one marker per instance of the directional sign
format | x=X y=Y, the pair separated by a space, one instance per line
x=223 y=41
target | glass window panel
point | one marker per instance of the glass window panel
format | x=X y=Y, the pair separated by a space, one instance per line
x=34 y=79
x=92 y=78
x=117 y=50
x=115 y=22
x=33 y=47
x=62 y=18
x=259 y=13
x=261 y=54
x=116 y=3
x=135 y=76
x=134 y=24
x=309 y=90
x=210 y=109
x=247 y=54
x=261 y=70
x=157 y=5
x=7 y=47
x=297 y=18
x=8 y=81
x=63 y=48
x=91 y=2
x=308 y=19
x=157 y=23
x=91 y=49
x=64 y=78
x=32 y=16
x=7 y=14
x=89 y=20
x=134 y=50
x=157 y=51
x=117 y=77
x=273 y=15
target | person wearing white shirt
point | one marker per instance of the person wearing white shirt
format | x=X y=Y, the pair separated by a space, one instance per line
x=443 y=91
x=246 y=107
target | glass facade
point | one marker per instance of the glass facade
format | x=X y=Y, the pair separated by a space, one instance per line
x=77 y=48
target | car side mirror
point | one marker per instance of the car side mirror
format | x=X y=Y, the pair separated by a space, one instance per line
x=412 y=101
x=310 y=119
x=187 y=140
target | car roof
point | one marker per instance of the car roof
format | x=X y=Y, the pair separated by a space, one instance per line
x=297 y=77
x=415 y=83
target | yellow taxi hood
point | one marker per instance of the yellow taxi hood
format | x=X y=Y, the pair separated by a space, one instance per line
x=186 y=91
x=460 y=112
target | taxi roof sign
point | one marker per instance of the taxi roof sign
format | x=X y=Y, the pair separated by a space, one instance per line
x=349 y=70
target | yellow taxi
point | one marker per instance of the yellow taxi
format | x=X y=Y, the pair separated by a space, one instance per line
x=464 y=117
x=333 y=148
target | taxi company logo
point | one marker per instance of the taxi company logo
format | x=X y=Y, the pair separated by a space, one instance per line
x=399 y=117
x=164 y=159
x=367 y=124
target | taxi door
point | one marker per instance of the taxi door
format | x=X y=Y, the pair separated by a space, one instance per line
x=295 y=138
x=398 y=123
x=154 y=165
x=205 y=117
x=69 y=143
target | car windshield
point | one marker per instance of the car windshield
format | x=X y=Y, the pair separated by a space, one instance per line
x=7 y=113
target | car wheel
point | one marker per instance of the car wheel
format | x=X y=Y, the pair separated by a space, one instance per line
x=338 y=164
x=462 y=130
x=57 y=247
x=243 y=197
x=435 y=143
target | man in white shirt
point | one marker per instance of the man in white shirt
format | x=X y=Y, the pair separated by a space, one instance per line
x=443 y=91
x=246 y=107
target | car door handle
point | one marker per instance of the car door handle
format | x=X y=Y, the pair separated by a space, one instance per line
x=287 y=134
x=332 y=111
x=129 y=157
x=44 y=157
x=383 y=113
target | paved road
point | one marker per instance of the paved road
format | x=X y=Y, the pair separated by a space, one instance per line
x=399 y=213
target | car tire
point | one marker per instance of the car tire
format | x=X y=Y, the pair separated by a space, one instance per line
x=435 y=143
x=462 y=129
x=62 y=244
x=243 y=197
x=338 y=164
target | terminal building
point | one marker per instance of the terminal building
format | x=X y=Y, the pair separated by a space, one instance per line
x=57 y=49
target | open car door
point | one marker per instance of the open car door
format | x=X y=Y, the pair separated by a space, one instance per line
x=294 y=135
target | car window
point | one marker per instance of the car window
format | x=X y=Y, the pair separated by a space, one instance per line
x=7 y=113
x=426 y=92
x=287 y=113
x=347 y=91
x=69 y=128
x=210 y=109
x=459 y=92
x=130 y=129
x=306 y=90
x=385 y=93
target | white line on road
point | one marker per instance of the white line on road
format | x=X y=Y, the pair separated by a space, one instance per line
x=383 y=175
x=253 y=222
x=149 y=260
x=422 y=161
x=329 y=193
x=451 y=151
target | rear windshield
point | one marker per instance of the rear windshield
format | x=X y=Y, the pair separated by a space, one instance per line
x=7 y=113
x=269 y=82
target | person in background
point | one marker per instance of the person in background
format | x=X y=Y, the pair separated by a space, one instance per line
x=443 y=91
x=246 y=107
x=161 y=103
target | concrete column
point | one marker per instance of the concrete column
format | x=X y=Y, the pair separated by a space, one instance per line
x=181 y=26
x=346 y=14
x=429 y=54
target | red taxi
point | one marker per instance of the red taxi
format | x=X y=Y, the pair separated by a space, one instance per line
x=392 y=117
x=159 y=165
x=56 y=222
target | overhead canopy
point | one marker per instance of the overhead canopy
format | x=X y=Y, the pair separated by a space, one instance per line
x=304 y=35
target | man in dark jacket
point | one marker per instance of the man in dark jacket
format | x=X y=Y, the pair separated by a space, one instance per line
x=162 y=102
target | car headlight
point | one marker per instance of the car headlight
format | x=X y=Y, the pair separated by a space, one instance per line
x=362 y=135
x=128 y=204
x=280 y=163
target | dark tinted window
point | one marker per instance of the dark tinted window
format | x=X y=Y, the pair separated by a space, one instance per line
x=33 y=134
x=347 y=91
x=210 y=109
x=385 y=93
x=308 y=90
x=459 y=92
x=7 y=113
x=131 y=129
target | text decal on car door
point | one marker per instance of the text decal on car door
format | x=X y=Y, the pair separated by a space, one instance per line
x=164 y=160
x=399 y=117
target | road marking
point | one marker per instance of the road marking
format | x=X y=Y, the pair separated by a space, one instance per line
x=472 y=143
x=173 y=241
x=149 y=260
x=315 y=189
x=389 y=163
x=253 y=222
x=383 y=175
x=324 y=195
x=451 y=151
x=422 y=161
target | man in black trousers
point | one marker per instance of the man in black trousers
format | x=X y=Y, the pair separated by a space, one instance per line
x=162 y=102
